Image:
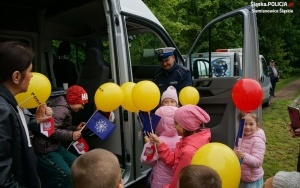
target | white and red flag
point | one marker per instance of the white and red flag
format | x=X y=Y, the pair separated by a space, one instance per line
x=81 y=146
x=47 y=127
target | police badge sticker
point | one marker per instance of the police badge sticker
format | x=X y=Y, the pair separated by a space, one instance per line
x=47 y=127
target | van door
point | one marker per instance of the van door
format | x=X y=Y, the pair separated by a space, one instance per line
x=215 y=93
x=265 y=81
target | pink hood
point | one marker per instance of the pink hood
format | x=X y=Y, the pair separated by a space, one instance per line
x=165 y=126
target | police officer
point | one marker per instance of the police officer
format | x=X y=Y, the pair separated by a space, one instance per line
x=170 y=72
x=274 y=76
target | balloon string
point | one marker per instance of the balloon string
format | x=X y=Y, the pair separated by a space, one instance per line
x=140 y=122
x=150 y=123
x=32 y=95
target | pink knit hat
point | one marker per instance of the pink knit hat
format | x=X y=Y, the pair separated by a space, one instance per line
x=170 y=93
x=190 y=117
x=165 y=126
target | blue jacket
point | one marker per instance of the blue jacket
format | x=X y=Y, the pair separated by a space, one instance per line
x=178 y=76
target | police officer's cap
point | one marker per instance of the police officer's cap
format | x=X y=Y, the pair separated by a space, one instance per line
x=164 y=53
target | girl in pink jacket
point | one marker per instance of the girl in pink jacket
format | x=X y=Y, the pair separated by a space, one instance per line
x=161 y=173
x=188 y=120
x=251 y=152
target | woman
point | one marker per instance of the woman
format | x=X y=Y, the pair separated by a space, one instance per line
x=17 y=158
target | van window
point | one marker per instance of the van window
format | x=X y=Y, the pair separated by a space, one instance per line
x=264 y=66
x=210 y=42
x=142 y=44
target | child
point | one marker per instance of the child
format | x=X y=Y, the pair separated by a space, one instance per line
x=188 y=120
x=199 y=176
x=169 y=97
x=283 y=180
x=251 y=152
x=161 y=174
x=97 y=168
x=52 y=157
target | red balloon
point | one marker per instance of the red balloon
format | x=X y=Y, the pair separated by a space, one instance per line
x=247 y=94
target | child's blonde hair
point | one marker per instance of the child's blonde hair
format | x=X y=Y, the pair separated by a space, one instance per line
x=97 y=168
x=251 y=114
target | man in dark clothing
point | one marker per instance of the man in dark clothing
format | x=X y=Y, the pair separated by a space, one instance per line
x=274 y=76
x=170 y=72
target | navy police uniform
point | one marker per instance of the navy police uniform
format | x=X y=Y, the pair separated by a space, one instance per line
x=178 y=76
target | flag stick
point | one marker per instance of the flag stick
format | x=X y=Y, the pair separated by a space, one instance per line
x=82 y=128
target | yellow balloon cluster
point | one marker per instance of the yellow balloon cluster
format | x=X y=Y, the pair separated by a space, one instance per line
x=143 y=96
x=222 y=159
x=38 y=92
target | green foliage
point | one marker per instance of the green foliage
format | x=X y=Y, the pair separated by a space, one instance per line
x=279 y=34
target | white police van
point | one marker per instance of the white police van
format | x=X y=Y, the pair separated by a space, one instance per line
x=229 y=63
x=128 y=32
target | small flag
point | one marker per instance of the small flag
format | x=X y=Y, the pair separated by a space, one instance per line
x=148 y=152
x=81 y=146
x=240 y=133
x=148 y=126
x=47 y=127
x=101 y=126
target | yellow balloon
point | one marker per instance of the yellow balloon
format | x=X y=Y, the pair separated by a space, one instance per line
x=127 y=103
x=189 y=95
x=108 y=97
x=222 y=159
x=38 y=92
x=145 y=95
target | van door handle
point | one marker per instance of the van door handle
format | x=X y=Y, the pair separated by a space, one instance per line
x=262 y=79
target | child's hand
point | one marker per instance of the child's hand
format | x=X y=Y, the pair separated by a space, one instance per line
x=294 y=133
x=240 y=154
x=154 y=138
x=146 y=139
x=80 y=126
x=76 y=135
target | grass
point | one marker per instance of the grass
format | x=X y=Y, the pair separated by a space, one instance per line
x=281 y=149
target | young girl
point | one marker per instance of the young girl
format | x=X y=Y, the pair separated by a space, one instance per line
x=161 y=174
x=251 y=152
x=188 y=120
x=169 y=97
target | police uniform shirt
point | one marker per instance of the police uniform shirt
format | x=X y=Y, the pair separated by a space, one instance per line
x=178 y=76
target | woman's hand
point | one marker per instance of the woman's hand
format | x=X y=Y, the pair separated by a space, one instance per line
x=43 y=112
